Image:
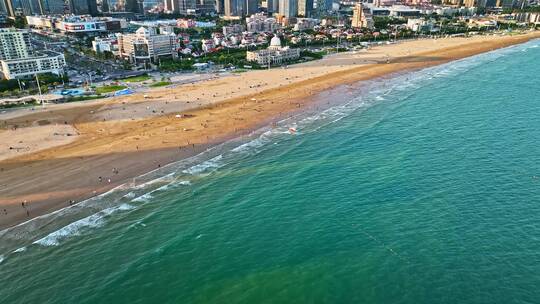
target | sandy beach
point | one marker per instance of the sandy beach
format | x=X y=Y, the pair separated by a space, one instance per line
x=66 y=153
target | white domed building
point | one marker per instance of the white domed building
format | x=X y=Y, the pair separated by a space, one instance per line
x=275 y=43
x=274 y=54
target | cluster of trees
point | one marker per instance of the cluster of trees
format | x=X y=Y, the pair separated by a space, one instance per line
x=18 y=22
x=382 y=23
x=234 y=57
x=169 y=65
x=197 y=33
x=49 y=78
x=8 y=85
x=367 y=36
x=106 y=55
x=11 y=87
x=205 y=33
x=314 y=55
x=231 y=57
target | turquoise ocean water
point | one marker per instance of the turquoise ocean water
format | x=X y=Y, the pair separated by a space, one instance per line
x=421 y=188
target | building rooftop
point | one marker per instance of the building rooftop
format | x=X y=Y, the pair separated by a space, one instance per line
x=36 y=55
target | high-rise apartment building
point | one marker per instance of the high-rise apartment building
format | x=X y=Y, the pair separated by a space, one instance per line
x=181 y=6
x=506 y=3
x=92 y=7
x=323 y=6
x=18 y=60
x=3 y=8
x=168 y=5
x=272 y=6
x=288 y=8
x=205 y=6
x=240 y=8
x=44 y=62
x=235 y=8
x=134 y=6
x=83 y=7
x=475 y=3
x=53 y=7
x=26 y=7
x=357 y=16
x=305 y=8
x=30 y=7
x=14 y=44
x=220 y=6
x=361 y=17
x=6 y=8
x=105 y=6
x=252 y=7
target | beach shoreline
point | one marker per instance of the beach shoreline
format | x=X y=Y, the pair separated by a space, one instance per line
x=118 y=147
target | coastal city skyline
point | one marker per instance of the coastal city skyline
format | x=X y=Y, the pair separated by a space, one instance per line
x=304 y=25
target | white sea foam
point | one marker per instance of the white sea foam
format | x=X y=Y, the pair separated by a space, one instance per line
x=60 y=211
x=138 y=224
x=1 y=258
x=75 y=228
x=256 y=143
x=143 y=198
x=263 y=139
x=212 y=164
x=164 y=187
x=130 y=195
x=149 y=195
x=18 y=250
x=155 y=180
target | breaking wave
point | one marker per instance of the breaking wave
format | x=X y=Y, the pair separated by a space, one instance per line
x=75 y=228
